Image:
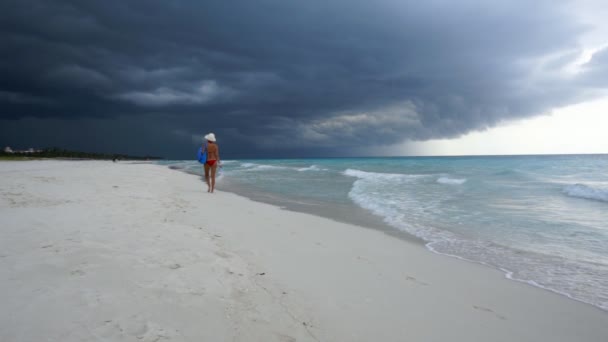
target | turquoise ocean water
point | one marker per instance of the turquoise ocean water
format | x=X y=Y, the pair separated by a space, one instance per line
x=541 y=219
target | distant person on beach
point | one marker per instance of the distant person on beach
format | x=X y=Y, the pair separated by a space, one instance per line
x=213 y=160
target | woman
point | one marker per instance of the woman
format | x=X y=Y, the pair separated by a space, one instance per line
x=213 y=159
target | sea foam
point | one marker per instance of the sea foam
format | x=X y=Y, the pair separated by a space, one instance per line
x=452 y=181
x=261 y=167
x=311 y=168
x=378 y=176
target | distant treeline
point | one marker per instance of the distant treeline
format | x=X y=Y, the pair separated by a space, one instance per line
x=62 y=153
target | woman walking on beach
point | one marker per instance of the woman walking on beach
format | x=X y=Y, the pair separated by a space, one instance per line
x=213 y=159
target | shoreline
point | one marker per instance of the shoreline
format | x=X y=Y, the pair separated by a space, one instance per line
x=356 y=216
x=96 y=250
x=399 y=234
x=363 y=218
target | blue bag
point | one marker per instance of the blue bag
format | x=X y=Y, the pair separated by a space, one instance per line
x=202 y=155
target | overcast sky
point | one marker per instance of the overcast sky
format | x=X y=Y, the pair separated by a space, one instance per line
x=297 y=78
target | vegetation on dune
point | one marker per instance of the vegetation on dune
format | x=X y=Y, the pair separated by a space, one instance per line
x=62 y=153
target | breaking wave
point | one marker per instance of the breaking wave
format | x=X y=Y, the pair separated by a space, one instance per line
x=586 y=192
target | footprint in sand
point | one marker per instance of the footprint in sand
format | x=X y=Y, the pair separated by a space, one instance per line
x=142 y=331
x=481 y=308
x=78 y=272
x=199 y=292
x=362 y=258
x=223 y=255
x=414 y=280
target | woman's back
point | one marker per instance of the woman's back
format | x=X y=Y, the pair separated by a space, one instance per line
x=212 y=150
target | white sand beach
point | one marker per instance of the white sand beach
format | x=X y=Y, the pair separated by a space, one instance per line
x=102 y=251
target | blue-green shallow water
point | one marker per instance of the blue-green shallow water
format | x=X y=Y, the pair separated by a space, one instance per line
x=541 y=219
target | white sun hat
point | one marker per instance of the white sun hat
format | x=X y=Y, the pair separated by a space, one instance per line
x=210 y=137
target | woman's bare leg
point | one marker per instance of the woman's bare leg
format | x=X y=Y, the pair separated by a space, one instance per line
x=206 y=166
x=213 y=169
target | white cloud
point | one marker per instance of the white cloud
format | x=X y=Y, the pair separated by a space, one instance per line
x=205 y=92
x=390 y=121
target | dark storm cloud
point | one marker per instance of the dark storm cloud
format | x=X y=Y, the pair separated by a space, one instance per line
x=276 y=75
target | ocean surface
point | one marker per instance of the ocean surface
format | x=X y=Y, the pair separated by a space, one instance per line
x=542 y=220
